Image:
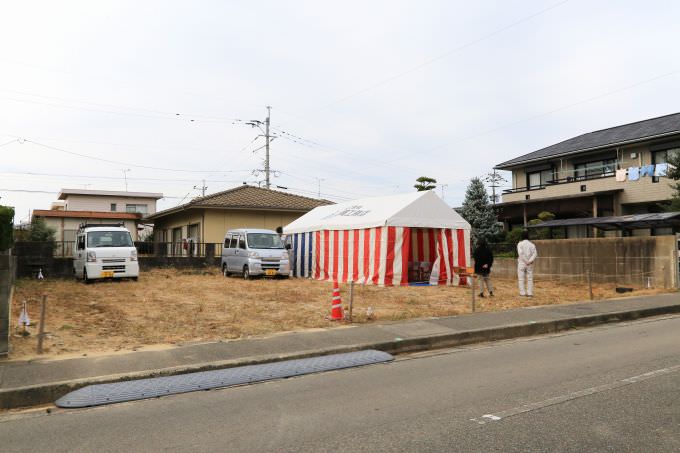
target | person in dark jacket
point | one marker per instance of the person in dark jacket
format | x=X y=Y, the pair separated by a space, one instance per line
x=483 y=257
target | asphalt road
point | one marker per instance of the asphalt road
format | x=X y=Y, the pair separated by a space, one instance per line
x=611 y=388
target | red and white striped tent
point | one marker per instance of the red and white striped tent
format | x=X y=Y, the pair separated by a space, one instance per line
x=393 y=240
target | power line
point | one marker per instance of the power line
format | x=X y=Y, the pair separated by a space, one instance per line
x=8 y=143
x=446 y=54
x=549 y=112
x=53 y=192
x=86 y=156
x=149 y=113
x=116 y=178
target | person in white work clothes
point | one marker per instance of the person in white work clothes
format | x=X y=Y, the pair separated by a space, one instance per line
x=526 y=255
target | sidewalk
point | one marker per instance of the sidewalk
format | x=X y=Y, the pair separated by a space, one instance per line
x=40 y=382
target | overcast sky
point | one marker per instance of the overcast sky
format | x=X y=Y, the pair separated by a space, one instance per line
x=366 y=95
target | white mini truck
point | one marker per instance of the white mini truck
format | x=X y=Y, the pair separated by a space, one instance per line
x=104 y=251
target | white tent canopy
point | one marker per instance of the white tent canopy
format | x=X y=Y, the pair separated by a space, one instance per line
x=416 y=210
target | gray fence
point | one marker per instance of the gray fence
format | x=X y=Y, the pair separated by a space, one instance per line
x=55 y=260
x=64 y=249
x=7 y=275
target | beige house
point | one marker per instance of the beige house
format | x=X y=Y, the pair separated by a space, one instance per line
x=78 y=206
x=207 y=219
x=109 y=201
x=66 y=222
x=612 y=172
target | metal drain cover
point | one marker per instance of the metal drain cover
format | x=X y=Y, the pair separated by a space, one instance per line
x=117 y=392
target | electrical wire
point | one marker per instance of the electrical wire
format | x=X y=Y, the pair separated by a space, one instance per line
x=116 y=177
x=148 y=167
x=149 y=113
x=549 y=112
x=446 y=54
x=53 y=192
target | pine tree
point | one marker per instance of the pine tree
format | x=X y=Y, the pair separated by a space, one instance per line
x=478 y=212
x=425 y=183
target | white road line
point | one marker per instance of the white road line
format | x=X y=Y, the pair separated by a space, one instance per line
x=573 y=395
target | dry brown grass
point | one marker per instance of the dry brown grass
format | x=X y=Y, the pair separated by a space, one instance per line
x=169 y=307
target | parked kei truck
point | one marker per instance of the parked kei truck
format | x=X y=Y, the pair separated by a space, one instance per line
x=104 y=251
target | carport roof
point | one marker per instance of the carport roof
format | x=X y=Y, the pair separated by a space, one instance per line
x=623 y=222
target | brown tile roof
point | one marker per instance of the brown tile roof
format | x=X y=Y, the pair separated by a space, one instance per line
x=86 y=214
x=250 y=197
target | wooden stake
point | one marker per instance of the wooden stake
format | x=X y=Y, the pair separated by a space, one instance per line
x=351 y=299
x=41 y=330
x=590 y=284
x=472 y=286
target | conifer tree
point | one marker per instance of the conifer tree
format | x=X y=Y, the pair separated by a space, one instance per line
x=479 y=213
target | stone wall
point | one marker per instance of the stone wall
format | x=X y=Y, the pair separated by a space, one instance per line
x=636 y=261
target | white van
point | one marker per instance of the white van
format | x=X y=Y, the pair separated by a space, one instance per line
x=104 y=251
x=252 y=252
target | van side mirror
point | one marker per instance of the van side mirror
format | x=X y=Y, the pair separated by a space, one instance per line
x=288 y=246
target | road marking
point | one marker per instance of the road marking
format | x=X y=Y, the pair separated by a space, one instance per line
x=574 y=395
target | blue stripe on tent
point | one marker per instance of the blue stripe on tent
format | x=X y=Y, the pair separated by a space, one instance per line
x=302 y=255
x=310 y=246
x=293 y=259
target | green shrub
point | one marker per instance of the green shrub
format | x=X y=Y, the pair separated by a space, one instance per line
x=6 y=227
x=40 y=232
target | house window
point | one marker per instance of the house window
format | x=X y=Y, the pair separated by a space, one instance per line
x=141 y=208
x=661 y=157
x=538 y=179
x=597 y=168
x=113 y=207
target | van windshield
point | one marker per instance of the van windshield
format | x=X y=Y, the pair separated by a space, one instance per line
x=109 y=239
x=264 y=241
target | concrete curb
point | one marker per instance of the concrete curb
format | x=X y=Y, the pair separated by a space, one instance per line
x=49 y=392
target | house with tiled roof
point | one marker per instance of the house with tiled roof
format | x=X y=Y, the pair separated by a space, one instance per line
x=611 y=172
x=207 y=219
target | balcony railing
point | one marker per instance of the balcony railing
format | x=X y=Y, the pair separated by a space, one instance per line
x=552 y=182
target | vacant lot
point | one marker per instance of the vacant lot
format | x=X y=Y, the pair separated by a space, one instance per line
x=168 y=307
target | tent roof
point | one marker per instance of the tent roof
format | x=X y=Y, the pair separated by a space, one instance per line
x=417 y=209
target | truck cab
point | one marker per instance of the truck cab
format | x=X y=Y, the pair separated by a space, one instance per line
x=104 y=251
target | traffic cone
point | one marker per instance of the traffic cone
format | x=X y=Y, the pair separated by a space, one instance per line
x=336 y=304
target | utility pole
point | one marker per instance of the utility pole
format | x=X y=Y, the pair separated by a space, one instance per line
x=494 y=179
x=125 y=176
x=203 y=188
x=266 y=135
x=442 y=186
x=268 y=138
x=318 y=180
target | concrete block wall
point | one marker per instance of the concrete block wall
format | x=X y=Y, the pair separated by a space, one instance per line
x=7 y=270
x=634 y=261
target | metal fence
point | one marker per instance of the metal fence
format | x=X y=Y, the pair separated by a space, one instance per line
x=64 y=249
x=173 y=249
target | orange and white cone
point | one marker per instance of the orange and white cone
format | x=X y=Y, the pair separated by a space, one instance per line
x=336 y=304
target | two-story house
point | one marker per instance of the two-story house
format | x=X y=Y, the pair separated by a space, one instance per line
x=78 y=206
x=611 y=172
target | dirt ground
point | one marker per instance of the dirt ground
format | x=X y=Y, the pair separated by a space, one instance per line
x=168 y=307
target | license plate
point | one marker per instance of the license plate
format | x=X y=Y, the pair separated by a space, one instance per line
x=270 y=272
x=107 y=274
